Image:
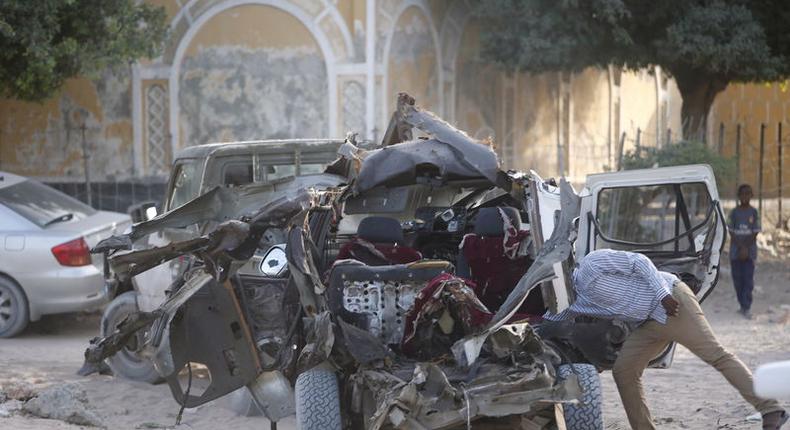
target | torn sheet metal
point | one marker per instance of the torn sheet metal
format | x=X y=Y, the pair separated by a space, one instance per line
x=220 y=204
x=236 y=238
x=450 y=151
x=158 y=321
x=439 y=396
x=444 y=310
x=556 y=250
x=320 y=340
x=363 y=346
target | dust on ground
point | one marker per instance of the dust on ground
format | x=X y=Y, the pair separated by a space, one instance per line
x=689 y=395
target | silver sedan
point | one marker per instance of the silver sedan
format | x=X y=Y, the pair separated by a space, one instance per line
x=45 y=264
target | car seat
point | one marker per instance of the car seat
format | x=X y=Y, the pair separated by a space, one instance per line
x=489 y=256
x=379 y=242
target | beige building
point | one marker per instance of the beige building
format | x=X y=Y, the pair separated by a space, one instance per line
x=752 y=106
x=258 y=69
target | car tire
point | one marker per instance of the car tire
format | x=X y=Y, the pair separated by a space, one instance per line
x=317 y=401
x=588 y=414
x=127 y=363
x=242 y=403
x=14 y=308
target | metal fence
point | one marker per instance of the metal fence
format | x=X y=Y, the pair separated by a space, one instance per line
x=115 y=196
x=760 y=156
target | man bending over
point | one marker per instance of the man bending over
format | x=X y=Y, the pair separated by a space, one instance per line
x=628 y=287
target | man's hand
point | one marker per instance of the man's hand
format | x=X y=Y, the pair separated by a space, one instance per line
x=670 y=305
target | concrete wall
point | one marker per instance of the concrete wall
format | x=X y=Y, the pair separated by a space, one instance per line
x=252 y=69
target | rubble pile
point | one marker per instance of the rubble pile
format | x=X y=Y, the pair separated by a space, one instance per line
x=65 y=402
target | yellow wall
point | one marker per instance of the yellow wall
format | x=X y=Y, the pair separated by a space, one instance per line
x=256 y=71
x=751 y=105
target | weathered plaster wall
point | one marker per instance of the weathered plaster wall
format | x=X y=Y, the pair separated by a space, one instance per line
x=236 y=70
x=412 y=61
x=45 y=140
x=267 y=81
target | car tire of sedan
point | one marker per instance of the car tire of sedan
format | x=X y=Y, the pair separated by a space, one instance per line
x=317 y=400
x=127 y=363
x=588 y=414
x=14 y=310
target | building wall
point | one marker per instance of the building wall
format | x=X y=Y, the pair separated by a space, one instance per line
x=750 y=106
x=256 y=69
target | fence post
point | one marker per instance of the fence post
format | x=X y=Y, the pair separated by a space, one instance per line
x=620 y=152
x=760 y=171
x=779 y=148
x=638 y=138
x=738 y=155
x=721 y=137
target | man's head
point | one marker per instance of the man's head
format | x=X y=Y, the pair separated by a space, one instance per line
x=745 y=194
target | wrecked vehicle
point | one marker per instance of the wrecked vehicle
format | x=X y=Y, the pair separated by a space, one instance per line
x=196 y=171
x=410 y=292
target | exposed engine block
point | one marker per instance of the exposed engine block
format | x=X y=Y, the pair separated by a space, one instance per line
x=385 y=304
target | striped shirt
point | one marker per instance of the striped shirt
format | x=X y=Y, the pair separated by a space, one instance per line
x=618 y=285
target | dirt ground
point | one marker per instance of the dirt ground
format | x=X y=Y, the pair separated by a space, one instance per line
x=689 y=395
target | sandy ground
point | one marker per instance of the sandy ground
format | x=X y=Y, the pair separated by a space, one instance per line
x=689 y=395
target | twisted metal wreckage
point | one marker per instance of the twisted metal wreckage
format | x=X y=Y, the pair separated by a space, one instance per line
x=262 y=332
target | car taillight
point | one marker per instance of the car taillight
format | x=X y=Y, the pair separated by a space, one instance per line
x=72 y=253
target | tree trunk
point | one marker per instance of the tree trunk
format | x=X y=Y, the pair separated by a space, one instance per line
x=698 y=92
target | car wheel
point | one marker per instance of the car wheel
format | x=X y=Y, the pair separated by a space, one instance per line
x=317 y=401
x=14 y=310
x=588 y=414
x=127 y=363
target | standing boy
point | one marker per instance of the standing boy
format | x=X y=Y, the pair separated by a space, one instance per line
x=744 y=224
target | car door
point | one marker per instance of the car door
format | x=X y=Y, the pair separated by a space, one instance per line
x=543 y=207
x=671 y=214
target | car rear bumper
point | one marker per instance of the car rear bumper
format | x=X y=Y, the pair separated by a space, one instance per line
x=65 y=289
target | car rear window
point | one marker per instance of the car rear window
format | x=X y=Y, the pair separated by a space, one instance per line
x=41 y=204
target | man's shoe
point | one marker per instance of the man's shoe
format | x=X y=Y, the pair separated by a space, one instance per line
x=774 y=420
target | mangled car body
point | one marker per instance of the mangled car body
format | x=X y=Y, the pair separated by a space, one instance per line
x=409 y=292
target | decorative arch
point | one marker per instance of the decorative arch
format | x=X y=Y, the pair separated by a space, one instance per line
x=426 y=12
x=193 y=9
x=312 y=25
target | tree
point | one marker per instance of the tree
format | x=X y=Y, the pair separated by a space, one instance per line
x=704 y=45
x=45 y=42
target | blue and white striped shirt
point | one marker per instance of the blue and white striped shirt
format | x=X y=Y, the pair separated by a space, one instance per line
x=618 y=285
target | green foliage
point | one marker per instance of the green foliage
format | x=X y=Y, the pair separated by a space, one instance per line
x=45 y=42
x=704 y=44
x=726 y=38
x=680 y=153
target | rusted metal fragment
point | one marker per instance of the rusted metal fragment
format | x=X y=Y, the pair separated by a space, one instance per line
x=556 y=250
x=320 y=340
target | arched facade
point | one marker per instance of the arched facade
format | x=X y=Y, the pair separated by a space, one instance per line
x=257 y=69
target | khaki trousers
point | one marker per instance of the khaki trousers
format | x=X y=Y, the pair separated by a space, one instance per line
x=690 y=329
